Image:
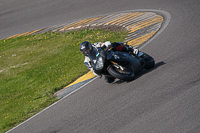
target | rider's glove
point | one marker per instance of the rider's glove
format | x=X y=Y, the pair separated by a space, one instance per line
x=135 y=51
x=98 y=44
x=132 y=50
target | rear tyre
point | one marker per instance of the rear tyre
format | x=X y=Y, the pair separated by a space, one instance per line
x=125 y=75
x=149 y=62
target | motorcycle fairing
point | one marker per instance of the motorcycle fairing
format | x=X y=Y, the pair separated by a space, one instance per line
x=118 y=56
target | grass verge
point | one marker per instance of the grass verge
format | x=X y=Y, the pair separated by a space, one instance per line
x=34 y=67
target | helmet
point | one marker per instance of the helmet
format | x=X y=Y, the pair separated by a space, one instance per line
x=85 y=47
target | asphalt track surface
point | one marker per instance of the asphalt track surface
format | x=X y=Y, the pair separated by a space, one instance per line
x=165 y=99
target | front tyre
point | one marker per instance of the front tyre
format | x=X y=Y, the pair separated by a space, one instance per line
x=125 y=75
x=149 y=62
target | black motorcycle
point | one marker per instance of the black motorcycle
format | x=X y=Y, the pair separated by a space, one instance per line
x=121 y=65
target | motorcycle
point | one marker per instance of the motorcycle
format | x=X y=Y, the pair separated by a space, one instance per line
x=121 y=65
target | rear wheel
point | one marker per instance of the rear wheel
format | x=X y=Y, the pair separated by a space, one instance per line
x=126 y=74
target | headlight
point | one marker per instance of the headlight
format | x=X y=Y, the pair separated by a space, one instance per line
x=99 y=64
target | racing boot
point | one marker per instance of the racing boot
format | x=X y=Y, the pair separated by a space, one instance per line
x=109 y=79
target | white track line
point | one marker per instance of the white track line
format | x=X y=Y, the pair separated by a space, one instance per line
x=52 y=105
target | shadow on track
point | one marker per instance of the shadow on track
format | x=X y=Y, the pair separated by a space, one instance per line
x=158 y=64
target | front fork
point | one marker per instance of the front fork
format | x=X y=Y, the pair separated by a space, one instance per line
x=142 y=55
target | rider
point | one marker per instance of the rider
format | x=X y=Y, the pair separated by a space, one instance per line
x=89 y=49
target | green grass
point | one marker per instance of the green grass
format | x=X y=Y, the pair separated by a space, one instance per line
x=33 y=68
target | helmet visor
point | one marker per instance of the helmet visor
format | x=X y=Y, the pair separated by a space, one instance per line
x=86 y=51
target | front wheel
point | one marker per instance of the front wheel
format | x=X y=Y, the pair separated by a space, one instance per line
x=149 y=62
x=126 y=75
